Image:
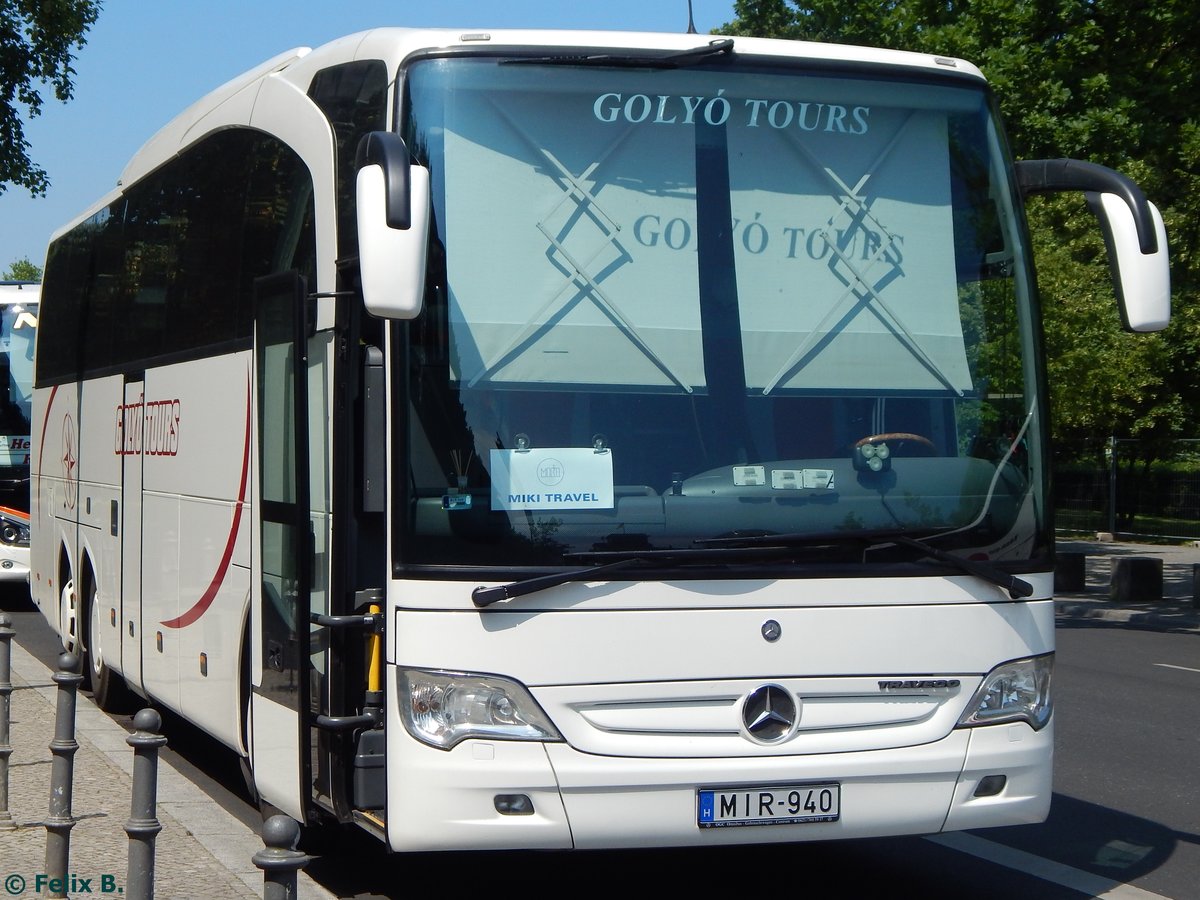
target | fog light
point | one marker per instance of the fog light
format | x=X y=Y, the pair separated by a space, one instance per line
x=991 y=785
x=513 y=805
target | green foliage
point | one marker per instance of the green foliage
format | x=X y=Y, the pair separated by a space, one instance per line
x=38 y=39
x=1111 y=81
x=22 y=270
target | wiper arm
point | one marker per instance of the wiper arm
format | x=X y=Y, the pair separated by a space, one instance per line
x=1016 y=587
x=678 y=60
x=697 y=54
x=485 y=596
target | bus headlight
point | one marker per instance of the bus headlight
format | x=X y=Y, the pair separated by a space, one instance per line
x=1017 y=691
x=444 y=708
x=14 y=530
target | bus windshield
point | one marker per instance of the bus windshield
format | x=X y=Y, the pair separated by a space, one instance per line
x=18 y=326
x=666 y=306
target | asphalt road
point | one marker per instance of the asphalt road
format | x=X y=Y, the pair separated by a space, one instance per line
x=1127 y=757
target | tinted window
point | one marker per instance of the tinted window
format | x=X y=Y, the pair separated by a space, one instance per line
x=353 y=98
x=167 y=273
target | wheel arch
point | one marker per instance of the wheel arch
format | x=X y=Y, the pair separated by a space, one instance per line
x=244 y=686
x=64 y=569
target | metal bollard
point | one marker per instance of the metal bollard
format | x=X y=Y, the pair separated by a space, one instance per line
x=143 y=825
x=280 y=862
x=6 y=636
x=60 y=821
x=1136 y=579
x=1070 y=572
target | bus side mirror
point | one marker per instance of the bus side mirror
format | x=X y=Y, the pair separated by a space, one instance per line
x=393 y=226
x=1133 y=233
x=1142 y=280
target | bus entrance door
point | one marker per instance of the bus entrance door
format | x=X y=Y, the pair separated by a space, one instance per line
x=130 y=615
x=282 y=580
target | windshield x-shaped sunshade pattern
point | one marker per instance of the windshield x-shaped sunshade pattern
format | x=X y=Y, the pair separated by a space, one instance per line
x=578 y=210
x=588 y=243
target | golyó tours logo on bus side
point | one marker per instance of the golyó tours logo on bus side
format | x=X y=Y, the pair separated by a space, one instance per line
x=159 y=431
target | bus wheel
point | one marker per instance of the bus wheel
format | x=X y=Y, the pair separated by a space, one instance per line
x=68 y=617
x=108 y=688
x=244 y=692
x=250 y=785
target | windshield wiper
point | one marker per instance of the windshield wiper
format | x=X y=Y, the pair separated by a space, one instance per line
x=613 y=560
x=678 y=60
x=485 y=596
x=1016 y=587
x=742 y=547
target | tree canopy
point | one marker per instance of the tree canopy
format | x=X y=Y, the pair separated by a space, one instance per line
x=38 y=41
x=22 y=270
x=1106 y=80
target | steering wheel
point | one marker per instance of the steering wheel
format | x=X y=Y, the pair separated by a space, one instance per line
x=873 y=453
x=896 y=436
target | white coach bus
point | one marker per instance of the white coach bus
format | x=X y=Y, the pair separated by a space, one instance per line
x=18 y=328
x=574 y=440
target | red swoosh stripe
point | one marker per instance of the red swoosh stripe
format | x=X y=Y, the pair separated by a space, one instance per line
x=201 y=606
x=45 y=421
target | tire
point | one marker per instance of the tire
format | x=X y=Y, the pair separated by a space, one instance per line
x=249 y=785
x=244 y=692
x=109 y=691
x=69 y=618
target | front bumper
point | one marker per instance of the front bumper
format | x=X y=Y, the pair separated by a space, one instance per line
x=440 y=800
x=14 y=563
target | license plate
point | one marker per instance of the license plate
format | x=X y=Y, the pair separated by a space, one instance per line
x=775 y=805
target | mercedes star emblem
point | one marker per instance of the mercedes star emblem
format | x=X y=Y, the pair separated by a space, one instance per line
x=770 y=714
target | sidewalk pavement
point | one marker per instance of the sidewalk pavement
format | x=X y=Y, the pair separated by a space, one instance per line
x=201 y=852
x=1177 y=611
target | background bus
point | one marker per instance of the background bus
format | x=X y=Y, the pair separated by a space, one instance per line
x=18 y=327
x=551 y=440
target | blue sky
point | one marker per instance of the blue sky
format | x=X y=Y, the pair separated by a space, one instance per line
x=146 y=61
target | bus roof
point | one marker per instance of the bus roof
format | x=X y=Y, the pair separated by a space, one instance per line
x=20 y=291
x=395 y=45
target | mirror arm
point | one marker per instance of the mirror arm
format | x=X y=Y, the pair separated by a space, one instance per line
x=387 y=150
x=1046 y=175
